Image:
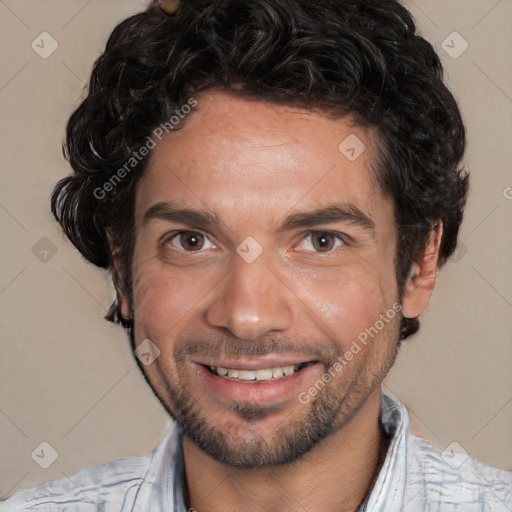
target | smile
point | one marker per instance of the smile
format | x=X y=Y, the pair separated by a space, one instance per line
x=258 y=380
x=260 y=375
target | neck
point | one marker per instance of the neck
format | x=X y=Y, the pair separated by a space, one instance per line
x=335 y=476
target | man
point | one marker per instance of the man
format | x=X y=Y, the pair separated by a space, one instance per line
x=273 y=186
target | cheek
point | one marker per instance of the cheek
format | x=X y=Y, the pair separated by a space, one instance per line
x=348 y=303
x=162 y=299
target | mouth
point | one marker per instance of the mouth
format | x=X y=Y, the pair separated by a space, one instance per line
x=259 y=375
x=258 y=381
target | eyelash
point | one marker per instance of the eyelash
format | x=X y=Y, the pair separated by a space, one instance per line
x=338 y=236
x=344 y=239
x=171 y=236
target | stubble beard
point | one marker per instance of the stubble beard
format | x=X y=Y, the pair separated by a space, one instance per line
x=327 y=412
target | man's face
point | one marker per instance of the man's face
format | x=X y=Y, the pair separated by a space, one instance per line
x=262 y=250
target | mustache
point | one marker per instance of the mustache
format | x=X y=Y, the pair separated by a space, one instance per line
x=216 y=347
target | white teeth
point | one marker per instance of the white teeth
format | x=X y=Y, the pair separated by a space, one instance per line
x=264 y=374
x=277 y=373
x=288 y=370
x=246 y=375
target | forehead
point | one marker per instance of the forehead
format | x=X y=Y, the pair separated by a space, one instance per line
x=244 y=157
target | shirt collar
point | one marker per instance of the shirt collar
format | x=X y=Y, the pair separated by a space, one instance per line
x=388 y=492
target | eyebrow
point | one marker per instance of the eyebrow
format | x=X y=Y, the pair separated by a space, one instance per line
x=342 y=212
x=171 y=213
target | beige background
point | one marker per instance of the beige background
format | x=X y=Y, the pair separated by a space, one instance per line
x=68 y=377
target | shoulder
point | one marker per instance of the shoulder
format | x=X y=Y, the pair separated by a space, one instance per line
x=455 y=479
x=90 y=490
x=419 y=476
x=114 y=486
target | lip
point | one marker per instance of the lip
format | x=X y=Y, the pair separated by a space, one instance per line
x=264 y=392
x=260 y=364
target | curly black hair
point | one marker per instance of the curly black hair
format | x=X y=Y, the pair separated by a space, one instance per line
x=358 y=57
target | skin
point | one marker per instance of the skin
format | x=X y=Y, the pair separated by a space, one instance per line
x=253 y=165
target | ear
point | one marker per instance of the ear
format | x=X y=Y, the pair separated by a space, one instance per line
x=422 y=277
x=119 y=279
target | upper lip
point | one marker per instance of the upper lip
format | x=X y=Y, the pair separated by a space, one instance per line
x=255 y=364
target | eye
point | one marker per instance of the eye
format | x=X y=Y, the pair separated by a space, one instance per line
x=190 y=241
x=321 y=241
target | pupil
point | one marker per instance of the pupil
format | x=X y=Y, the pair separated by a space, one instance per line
x=191 y=241
x=324 y=242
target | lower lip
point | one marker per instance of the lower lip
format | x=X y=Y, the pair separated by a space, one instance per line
x=262 y=392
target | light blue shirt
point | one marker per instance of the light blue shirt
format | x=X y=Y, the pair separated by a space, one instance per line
x=415 y=477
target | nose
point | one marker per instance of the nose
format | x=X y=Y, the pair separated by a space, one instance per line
x=251 y=301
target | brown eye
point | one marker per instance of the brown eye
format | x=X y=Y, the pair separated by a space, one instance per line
x=323 y=242
x=190 y=241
